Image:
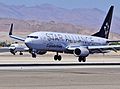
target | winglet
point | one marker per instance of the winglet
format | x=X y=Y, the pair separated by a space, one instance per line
x=14 y=37
x=11 y=28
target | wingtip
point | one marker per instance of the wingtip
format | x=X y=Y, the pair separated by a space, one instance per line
x=112 y=7
x=11 y=28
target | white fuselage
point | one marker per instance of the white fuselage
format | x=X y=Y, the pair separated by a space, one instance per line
x=18 y=47
x=54 y=41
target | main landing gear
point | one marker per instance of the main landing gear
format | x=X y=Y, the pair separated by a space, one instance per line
x=20 y=53
x=57 y=57
x=33 y=54
x=82 y=59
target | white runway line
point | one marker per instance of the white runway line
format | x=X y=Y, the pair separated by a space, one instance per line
x=55 y=67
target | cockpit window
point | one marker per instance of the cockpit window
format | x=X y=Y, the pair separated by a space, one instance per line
x=32 y=37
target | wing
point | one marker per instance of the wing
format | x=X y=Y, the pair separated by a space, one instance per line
x=97 y=49
x=14 y=37
x=103 y=49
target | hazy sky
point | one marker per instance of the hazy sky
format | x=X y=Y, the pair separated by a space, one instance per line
x=70 y=4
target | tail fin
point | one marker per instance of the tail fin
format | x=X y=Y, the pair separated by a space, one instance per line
x=105 y=29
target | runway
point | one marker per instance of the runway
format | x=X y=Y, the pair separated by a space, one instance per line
x=7 y=58
x=73 y=78
x=23 y=72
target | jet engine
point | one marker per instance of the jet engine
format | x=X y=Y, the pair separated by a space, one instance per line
x=83 y=52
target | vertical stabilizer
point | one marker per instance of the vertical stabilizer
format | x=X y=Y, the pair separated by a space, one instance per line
x=105 y=29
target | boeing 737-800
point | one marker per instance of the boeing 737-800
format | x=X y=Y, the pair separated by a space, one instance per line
x=14 y=48
x=79 y=45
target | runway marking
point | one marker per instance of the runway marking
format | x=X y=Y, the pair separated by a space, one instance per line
x=57 y=66
x=60 y=64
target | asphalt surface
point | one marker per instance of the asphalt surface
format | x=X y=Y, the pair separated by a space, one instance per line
x=23 y=72
x=76 y=78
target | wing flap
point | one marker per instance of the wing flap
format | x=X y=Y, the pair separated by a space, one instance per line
x=106 y=47
x=97 y=49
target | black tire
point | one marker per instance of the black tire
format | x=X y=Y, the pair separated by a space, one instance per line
x=21 y=53
x=79 y=59
x=59 y=58
x=55 y=57
x=33 y=55
x=84 y=59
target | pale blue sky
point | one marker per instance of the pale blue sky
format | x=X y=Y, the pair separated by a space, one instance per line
x=70 y=4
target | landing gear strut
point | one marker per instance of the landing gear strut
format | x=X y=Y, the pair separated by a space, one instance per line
x=33 y=55
x=33 y=52
x=57 y=57
x=21 y=53
x=80 y=59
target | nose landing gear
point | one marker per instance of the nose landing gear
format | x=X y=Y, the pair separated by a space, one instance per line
x=20 y=53
x=33 y=52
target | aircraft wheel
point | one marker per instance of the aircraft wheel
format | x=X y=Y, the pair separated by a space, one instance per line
x=21 y=53
x=55 y=57
x=33 y=55
x=59 y=58
x=84 y=59
x=80 y=59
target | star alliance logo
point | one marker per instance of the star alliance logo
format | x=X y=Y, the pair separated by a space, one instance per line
x=106 y=28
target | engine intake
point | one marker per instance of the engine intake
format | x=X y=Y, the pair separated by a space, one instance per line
x=83 y=52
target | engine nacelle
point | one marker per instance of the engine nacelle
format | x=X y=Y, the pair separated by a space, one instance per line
x=83 y=52
x=41 y=52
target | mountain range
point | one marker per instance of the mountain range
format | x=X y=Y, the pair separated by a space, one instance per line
x=47 y=12
x=51 y=18
x=92 y=18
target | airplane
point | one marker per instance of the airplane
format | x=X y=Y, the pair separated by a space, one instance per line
x=79 y=45
x=14 y=48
